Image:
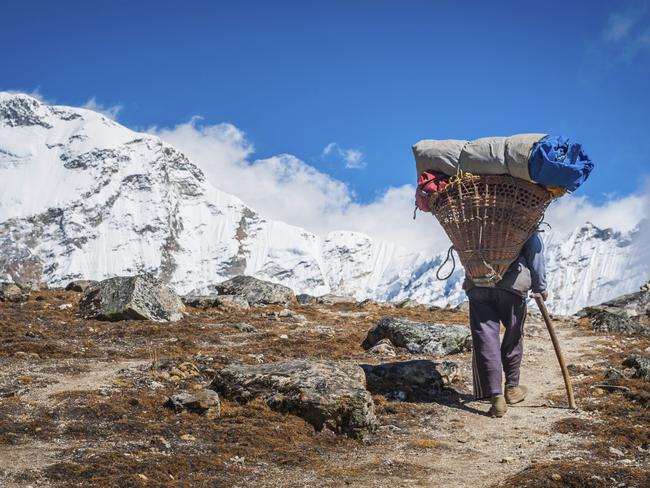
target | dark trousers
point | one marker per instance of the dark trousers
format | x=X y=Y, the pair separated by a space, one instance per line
x=488 y=308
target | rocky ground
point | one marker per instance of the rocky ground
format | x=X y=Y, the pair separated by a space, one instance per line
x=239 y=392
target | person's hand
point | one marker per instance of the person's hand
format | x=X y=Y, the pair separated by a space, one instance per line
x=542 y=294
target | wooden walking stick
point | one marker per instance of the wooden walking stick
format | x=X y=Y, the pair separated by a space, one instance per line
x=558 y=351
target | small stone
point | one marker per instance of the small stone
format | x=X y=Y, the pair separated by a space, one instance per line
x=231 y=302
x=197 y=402
x=616 y=452
x=65 y=306
x=20 y=355
x=80 y=285
x=613 y=374
x=164 y=375
x=599 y=391
x=383 y=348
x=507 y=459
x=556 y=477
x=143 y=477
x=243 y=327
x=305 y=299
x=187 y=438
x=284 y=337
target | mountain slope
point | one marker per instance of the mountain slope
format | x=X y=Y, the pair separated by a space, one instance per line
x=84 y=197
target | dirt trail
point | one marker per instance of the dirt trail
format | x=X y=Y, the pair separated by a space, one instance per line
x=482 y=451
x=99 y=375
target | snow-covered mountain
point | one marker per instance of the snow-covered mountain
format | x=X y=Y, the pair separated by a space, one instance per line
x=84 y=197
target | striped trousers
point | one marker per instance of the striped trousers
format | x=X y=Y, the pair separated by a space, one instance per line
x=488 y=308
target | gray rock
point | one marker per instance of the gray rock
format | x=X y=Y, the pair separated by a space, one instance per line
x=9 y=292
x=604 y=321
x=613 y=374
x=201 y=402
x=80 y=285
x=421 y=380
x=231 y=302
x=324 y=393
x=418 y=337
x=131 y=297
x=305 y=299
x=383 y=348
x=408 y=304
x=199 y=301
x=630 y=305
x=243 y=327
x=331 y=299
x=255 y=291
x=641 y=366
x=287 y=314
x=463 y=306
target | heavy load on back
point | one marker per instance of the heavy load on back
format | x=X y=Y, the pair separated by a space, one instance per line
x=490 y=194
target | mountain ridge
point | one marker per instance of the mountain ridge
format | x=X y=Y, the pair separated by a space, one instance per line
x=85 y=197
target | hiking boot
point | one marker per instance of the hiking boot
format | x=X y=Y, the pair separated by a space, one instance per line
x=515 y=394
x=499 y=406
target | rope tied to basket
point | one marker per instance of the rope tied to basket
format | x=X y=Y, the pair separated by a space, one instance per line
x=450 y=253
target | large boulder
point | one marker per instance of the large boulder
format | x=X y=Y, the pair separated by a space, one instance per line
x=419 y=337
x=255 y=291
x=631 y=305
x=605 y=321
x=131 y=297
x=419 y=380
x=324 y=393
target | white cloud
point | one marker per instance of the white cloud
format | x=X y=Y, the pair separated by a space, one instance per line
x=285 y=188
x=353 y=158
x=110 y=112
x=626 y=36
x=622 y=214
x=619 y=26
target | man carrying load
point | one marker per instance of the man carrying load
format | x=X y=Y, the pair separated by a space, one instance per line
x=490 y=195
x=504 y=303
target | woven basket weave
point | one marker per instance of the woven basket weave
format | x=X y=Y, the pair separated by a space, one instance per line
x=488 y=219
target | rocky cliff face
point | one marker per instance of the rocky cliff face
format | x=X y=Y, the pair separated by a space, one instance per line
x=84 y=197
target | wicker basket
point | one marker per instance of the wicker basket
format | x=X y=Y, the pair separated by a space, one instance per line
x=488 y=219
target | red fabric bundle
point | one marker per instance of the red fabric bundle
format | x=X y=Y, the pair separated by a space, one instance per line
x=429 y=182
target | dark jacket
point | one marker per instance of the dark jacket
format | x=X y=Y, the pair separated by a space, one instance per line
x=527 y=272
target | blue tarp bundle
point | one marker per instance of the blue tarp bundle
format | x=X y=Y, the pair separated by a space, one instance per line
x=555 y=161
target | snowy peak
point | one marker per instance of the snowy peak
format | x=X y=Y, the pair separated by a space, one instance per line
x=85 y=197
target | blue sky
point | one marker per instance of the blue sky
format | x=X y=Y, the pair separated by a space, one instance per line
x=371 y=76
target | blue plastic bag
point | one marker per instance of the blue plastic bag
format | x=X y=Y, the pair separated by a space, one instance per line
x=555 y=161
